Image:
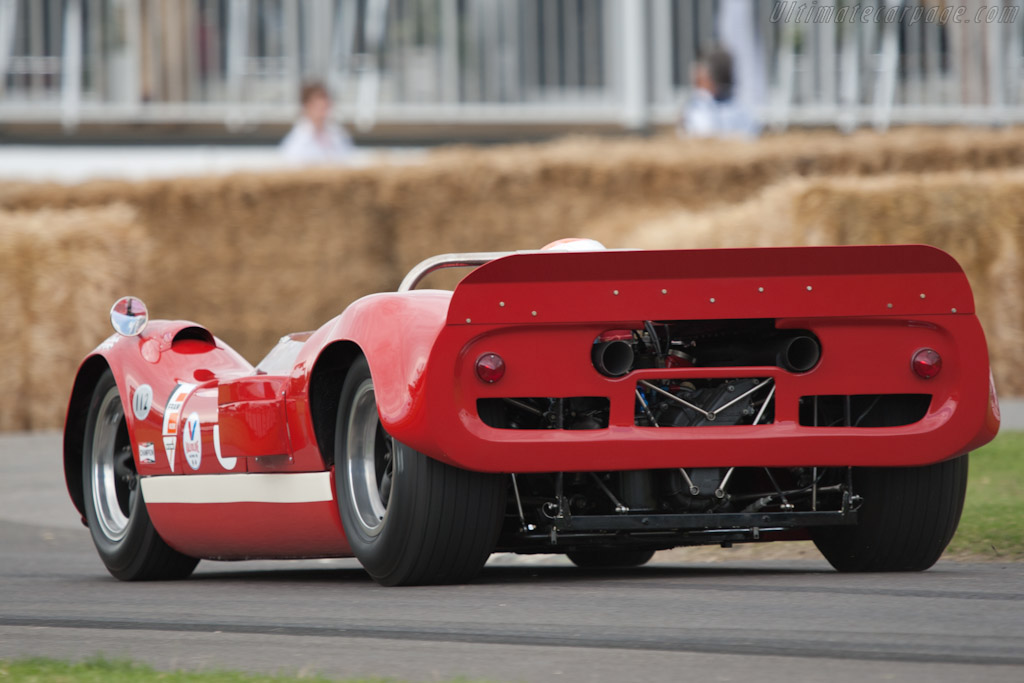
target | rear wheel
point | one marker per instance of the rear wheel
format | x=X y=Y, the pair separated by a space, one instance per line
x=409 y=519
x=607 y=558
x=122 y=532
x=907 y=519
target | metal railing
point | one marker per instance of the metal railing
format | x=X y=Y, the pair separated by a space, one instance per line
x=497 y=62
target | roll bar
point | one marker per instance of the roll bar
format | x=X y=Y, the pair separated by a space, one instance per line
x=441 y=261
x=473 y=258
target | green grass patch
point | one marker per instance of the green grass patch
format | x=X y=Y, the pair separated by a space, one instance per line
x=101 y=670
x=992 y=524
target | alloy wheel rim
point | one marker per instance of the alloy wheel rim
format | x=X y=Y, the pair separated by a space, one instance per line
x=369 y=460
x=114 y=480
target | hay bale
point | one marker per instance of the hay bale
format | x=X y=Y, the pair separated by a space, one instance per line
x=253 y=256
x=516 y=196
x=60 y=271
x=522 y=196
x=976 y=217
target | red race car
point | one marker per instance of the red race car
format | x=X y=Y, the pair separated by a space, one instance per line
x=604 y=404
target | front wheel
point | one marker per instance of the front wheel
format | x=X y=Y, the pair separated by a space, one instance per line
x=409 y=519
x=122 y=532
x=908 y=517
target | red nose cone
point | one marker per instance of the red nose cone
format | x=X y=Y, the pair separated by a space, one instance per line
x=490 y=367
x=927 y=363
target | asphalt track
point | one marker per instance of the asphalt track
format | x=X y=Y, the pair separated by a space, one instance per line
x=768 y=621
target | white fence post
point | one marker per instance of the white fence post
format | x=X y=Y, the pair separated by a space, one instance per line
x=548 y=63
x=8 y=19
x=634 y=65
x=71 y=66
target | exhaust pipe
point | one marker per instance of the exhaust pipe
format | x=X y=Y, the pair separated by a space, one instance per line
x=612 y=358
x=798 y=354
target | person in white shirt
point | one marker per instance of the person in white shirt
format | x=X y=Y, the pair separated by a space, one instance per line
x=314 y=139
x=712 y=110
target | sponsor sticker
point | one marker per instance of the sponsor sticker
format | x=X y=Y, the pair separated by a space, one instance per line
x=147 y=454
x=192 y=441
x=142 y=401
x=169 y=442
x=226 y=463
x=172 y=417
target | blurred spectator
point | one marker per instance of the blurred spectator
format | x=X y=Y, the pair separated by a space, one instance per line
x=737 y=30
x=712 y=110
x=314 y=139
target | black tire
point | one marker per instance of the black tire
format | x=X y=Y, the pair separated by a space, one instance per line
x=609 y=558
x=907 y=519
x=129 y=546
x=430 y=523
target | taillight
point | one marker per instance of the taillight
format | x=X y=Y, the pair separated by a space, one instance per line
x=926 y=363
x=490 y=367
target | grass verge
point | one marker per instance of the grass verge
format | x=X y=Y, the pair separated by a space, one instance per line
x=992 y=525
x=101 y=670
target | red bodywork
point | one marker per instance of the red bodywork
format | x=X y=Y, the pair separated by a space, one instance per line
x=871 y=308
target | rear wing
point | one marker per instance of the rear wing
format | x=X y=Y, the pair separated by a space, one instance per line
x=702 y=284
